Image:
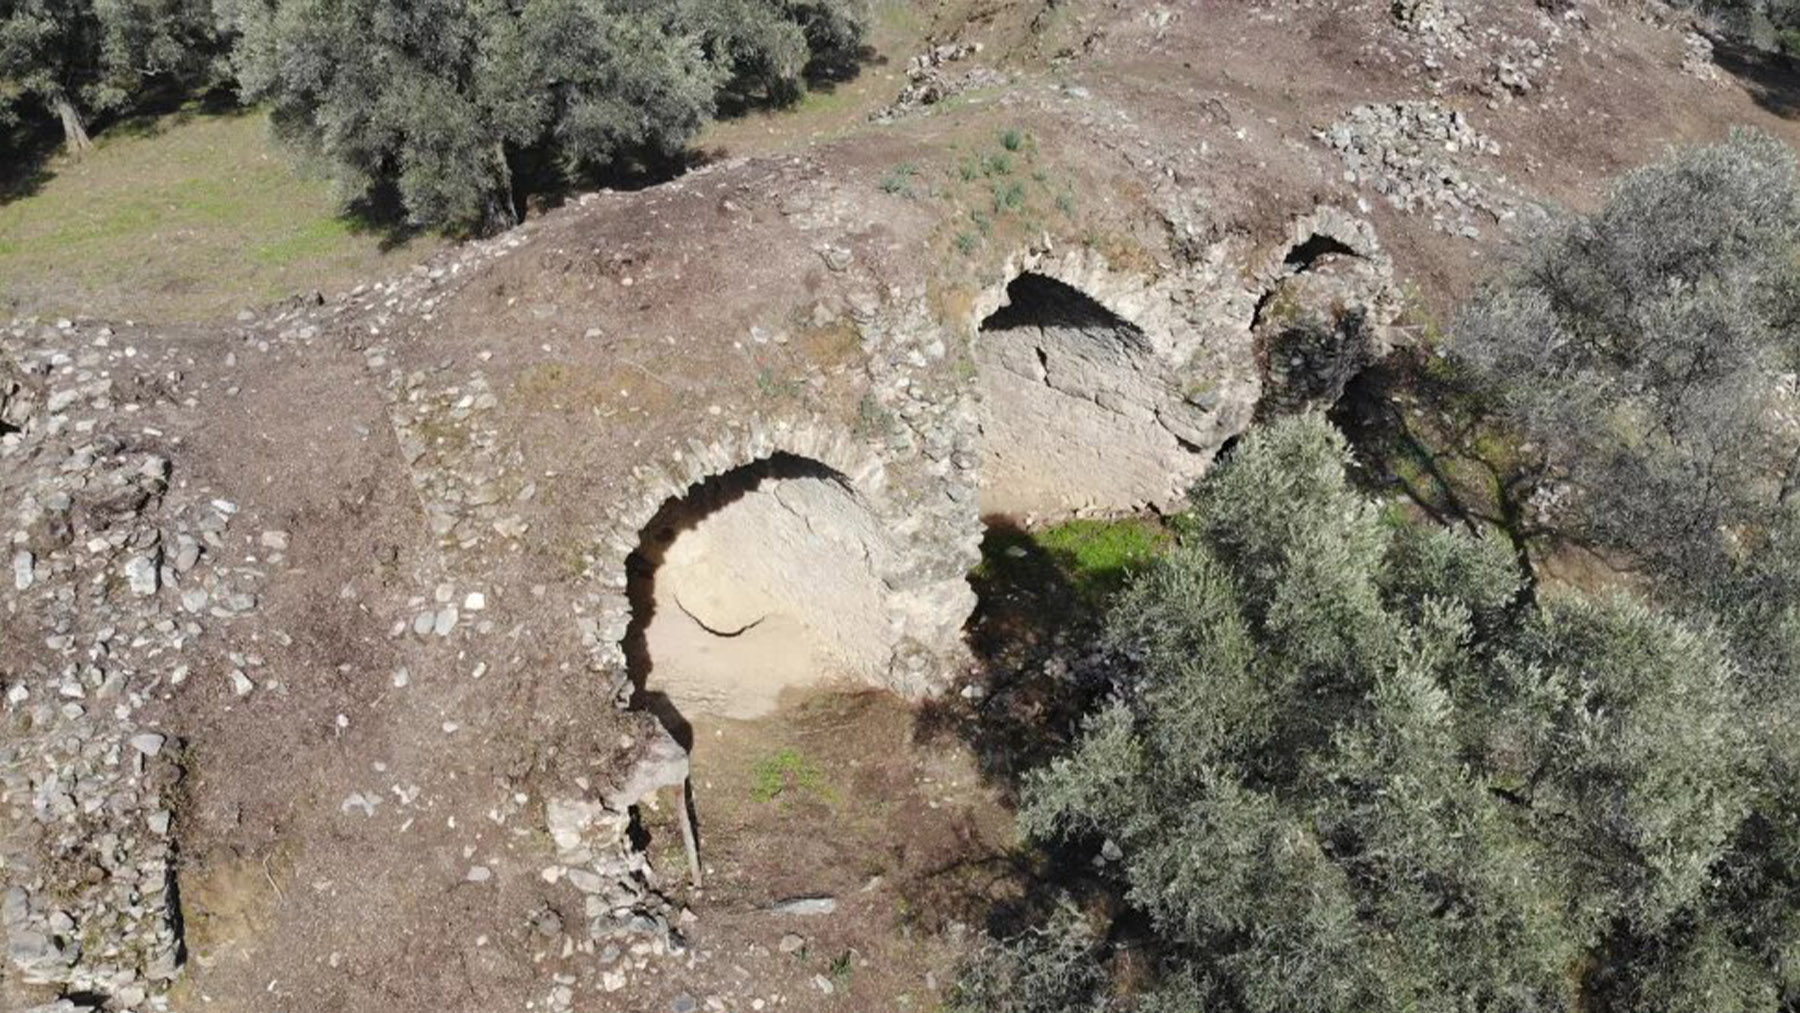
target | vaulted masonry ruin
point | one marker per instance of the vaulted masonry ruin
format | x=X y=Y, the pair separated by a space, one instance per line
x=765 y=577
x=805 y=554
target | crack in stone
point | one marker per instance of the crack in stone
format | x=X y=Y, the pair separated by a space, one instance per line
x=723 y=634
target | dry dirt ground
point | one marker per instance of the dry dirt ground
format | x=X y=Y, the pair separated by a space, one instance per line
x=363 y=829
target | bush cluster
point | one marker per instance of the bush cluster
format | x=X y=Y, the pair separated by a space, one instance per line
x=1356 y=762
x=1354 y=769
x=442 y=104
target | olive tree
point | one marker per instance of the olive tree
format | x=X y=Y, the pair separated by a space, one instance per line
x=1649 y=351
x=443 y=99
x=1350 y=768
x=75 y=59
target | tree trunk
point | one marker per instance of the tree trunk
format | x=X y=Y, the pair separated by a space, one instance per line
x=75 y=134
x=503 y=214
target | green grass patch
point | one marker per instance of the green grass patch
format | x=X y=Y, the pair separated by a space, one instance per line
x=314 y=240
x=185 y=217
x=842 y=970
x=1099 y=556
x=788 y=773
x=1090 y=559
x=1009 y=196
x=899 y=179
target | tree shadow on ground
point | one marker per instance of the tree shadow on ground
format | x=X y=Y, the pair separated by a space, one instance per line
x=25 y=153
x=823 y=76
x=1416 y=428
x=1033 y=633
x=542 y=182
x=1041 y=605
x=1772 y=78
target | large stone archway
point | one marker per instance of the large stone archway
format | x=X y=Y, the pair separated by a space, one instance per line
x=762 y=579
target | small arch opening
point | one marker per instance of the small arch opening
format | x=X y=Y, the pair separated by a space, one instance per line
x=1316 y=248
x=753 y=582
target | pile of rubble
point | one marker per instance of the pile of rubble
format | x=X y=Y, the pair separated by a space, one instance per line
x=1517 y=75
x=627 y=918
x=1503 y=53
x=110 y=582
x=1697 y=58
x=1429 y=18
x=930 y=80
x=1441 y=29
x=1408 y=152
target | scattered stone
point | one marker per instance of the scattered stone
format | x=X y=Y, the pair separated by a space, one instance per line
x=806 y=906
x=1697 y=58
x=356 y=801
x=140 y=571
x=1409 y=153
x=547 y=923
x=929 y=80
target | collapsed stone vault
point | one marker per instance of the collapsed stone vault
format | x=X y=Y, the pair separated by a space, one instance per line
x=1075 y=414
x=783 y=483
x=800 y=553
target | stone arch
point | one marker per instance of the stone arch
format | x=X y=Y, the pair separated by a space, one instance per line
x=746 y=565
x=1078 y=410
x=1327 y=297
x=766 y=577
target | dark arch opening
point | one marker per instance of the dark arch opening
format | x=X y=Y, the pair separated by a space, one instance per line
x=1036 y=300
x=1305 y=255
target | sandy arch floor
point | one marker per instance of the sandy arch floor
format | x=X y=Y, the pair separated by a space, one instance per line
x=761 y=580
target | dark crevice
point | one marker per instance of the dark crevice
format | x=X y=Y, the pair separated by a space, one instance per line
x=1304 y=256
x=1226 y=449
x=1262 y=306
x=722 y=634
